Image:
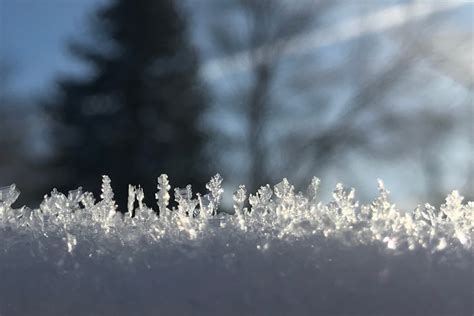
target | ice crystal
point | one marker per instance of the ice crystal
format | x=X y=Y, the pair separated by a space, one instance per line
x=186 y=204
x=261 y=200
x=284 y=190
x=8 y=195
x=313 y=189
x=162 y=196
x=343 y=208
x=107 y=195
x=131 y=199
x=215 y=189
x=239 y=198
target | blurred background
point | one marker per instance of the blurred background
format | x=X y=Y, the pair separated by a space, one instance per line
x=349 y=91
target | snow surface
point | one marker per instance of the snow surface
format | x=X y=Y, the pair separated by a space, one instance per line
x=286 y=253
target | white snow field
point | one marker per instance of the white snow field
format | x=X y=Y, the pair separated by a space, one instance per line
x=281 y=253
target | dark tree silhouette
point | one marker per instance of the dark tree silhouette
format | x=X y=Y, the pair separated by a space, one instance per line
x=137 y=115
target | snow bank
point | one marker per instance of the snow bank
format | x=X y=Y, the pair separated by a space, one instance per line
x=284 y=253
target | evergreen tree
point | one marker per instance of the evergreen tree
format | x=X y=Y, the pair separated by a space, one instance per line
x=137 y=115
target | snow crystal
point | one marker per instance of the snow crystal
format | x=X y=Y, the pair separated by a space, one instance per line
x=280 y=213
x=215 y=189
x=162 y=196
x=8 y=195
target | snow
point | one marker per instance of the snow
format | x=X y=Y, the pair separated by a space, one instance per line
x=283 y=253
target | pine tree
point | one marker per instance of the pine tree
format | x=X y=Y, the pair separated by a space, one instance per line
x=137 y=115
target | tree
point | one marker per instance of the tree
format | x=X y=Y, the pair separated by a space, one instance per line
x=298 y=97
x=261 y=31
x=22 y=151
x=137 y=115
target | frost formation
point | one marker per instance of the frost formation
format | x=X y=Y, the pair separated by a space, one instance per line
x=270 y=214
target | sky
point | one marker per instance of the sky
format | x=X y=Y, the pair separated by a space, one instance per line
x=32 y=38
x=337 y=32
x=33 y=34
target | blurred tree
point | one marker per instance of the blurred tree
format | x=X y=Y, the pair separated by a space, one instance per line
x=137 y=115
x=12 y=134
x=260 y=29
x=20 y=156
x=306 y=111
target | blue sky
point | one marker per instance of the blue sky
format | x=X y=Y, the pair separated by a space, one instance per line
x=33 y=34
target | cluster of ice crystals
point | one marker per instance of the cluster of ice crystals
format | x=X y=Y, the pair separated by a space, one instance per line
x=261 y=200
x=282 y=213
